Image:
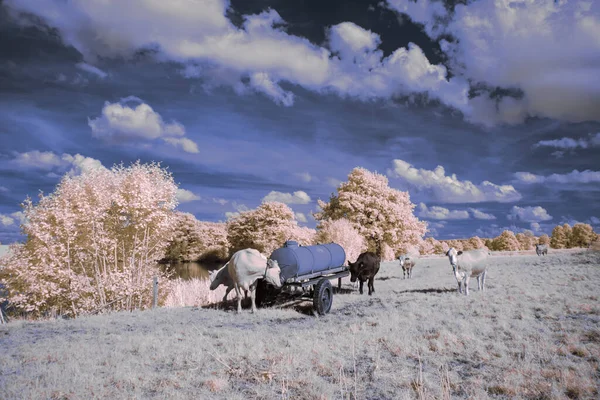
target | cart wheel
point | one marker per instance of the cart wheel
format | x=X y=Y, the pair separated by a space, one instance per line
x=323 y=297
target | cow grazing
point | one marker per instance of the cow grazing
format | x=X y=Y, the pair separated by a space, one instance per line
x=467 y=264
x=407 y=263
x=365 y=268
x=541 y=249
x=246 y=267
x=221 y=277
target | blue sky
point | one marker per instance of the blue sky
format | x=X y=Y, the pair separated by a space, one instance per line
x=488 y=113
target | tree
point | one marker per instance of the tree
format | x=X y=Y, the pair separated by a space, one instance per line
x=382 y=215
x=342 y=232
x=544 y=239
x=476 y=243
x=94 y=242
x=266 y=228
x=582 y=235
x=506 y=241
x=526 y=240
x=568 y=231
x=559 y=239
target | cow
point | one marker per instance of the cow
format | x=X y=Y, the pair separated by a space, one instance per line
x=467 y=264
x=365 y=268
x=407 y=263
x=221 y=277
x=246 y=267
x=541 y=249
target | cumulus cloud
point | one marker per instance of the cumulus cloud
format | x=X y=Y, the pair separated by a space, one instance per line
x=259 y=53
x=529 y=214
x=298 y=197
x=478 y=214
x=11 y=219
x=575 y=176
x=49 y=161
x=450 y=189
x=185 y=196
x=300 y=217
x=6 y=220
x=493 y=49
x=441 y=213
x=305 y=176
x=220 y=201
x=333 y=182
x=119 y=120
x=3 y=189
x=567 y=143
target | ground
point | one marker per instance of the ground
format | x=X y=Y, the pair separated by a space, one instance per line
x=534 y=334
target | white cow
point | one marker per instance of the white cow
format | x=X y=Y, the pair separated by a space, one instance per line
x=541 y=249
x=221 y=277
x=407 y=262
x=467 y=264
x=246 y=267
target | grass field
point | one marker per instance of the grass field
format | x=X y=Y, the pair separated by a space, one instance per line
x=534 y=334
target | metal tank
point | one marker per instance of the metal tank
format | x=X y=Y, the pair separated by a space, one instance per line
x=297 y=261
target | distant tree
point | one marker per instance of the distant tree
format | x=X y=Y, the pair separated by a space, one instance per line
x=582 y=235
x=476 y=243
x=441 y=247
x=568 y=231
x=559 y=238
x=342 y=232
x=544 y=239
x=457 y=244
x=266 y=228
x=93 y=243
x=489 y=243
x=195 y=240
x=427 y=246
x=526 y=240
x=506 y=241
x=382 y=215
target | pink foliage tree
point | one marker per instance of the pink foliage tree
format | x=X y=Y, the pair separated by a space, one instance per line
x=342 y=232
x=382 y=215
x=266 y=228
x=506 y=241
x=194 y=240
x=94 y=242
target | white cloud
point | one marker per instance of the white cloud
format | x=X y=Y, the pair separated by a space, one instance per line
x=119 y=120
x=425 y=12
x=220 y=201
x=529 y=214
x=298 y=197
x=232 y=214
x=441 y=213
x=91 y=69
x=6 y=220
x=300 y=217
x=595 y=220
x=49 y=161
x=574 y=176
x=494 y=42
x=305 y=176
x=19 y=216
x=333 y=182
x=478 y=214
x=3 y=189
x=449 y=189
x=567 y=143
x=185 y=196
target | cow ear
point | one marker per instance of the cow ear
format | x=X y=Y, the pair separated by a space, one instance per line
x=459 y=252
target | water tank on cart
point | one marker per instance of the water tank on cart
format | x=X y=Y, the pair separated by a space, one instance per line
x=296 y=261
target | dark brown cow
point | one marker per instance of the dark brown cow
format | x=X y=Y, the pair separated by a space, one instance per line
x=365 y=268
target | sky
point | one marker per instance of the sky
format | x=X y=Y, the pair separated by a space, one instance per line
x=486 y=112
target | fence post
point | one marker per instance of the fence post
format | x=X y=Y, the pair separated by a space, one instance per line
x=155 y=298
x=2 y=320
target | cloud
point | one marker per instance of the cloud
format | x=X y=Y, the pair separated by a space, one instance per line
x=449 y=189
x=260 y=55
x=119 y=120
x=333 y=182
x=185 y=196
x=478 y=214
x=440 y=213
x=220 y=201
x=567 y=143
x=575 y=176
x=6 y=220
x=595 y=220
x=49 y=161
x=305 y=176
x=91 y=69
x=298 y=197
x=492 y=47
x=300 y=217
x=3 y=189
x=529 y=214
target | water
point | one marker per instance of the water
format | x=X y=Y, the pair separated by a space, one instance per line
x=191 y=270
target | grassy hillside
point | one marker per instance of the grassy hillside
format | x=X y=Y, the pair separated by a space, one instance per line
x=534 y=334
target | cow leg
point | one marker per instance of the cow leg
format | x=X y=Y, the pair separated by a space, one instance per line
x=467 y=285
x=483 y=280
x=360 y=286
x=229 y=289
x=371 y=287
x=253 y=297
x=403 y=273
x=238 y=293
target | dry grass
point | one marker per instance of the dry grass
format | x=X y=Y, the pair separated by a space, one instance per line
x=535 y=334
x=194 y=292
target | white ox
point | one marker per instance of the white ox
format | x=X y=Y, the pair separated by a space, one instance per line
x=407 y=262
x=467 y=264
x=246 y=267
x=221 y=277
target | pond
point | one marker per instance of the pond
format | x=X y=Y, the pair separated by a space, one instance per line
x=191 y=270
